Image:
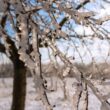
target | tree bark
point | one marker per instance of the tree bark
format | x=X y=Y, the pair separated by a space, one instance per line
x=19 y=86
x=19 y=80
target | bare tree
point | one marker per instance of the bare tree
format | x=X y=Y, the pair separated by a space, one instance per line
x=36 y=24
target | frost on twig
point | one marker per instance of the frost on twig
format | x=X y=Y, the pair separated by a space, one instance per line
x=66 y=71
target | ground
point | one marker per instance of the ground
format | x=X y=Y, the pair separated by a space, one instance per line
x=56 y=98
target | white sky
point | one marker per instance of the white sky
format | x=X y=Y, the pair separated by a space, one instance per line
x=99 y=51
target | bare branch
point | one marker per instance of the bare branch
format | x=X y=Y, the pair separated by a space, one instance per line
x=82 y=4
x=2 y=48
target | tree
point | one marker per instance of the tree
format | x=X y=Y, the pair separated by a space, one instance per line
x=36 y=24
x=19 y=82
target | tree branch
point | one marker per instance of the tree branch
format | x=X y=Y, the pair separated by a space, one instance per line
x=82 y=4
x=2 y=48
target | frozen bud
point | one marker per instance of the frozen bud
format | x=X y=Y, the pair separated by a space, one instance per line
x=47 y=30
x=66 y=71
x=68 y=5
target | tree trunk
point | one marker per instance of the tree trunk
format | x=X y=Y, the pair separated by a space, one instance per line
x=19 y=86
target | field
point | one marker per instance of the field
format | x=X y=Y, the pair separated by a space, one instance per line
x=56 y=98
